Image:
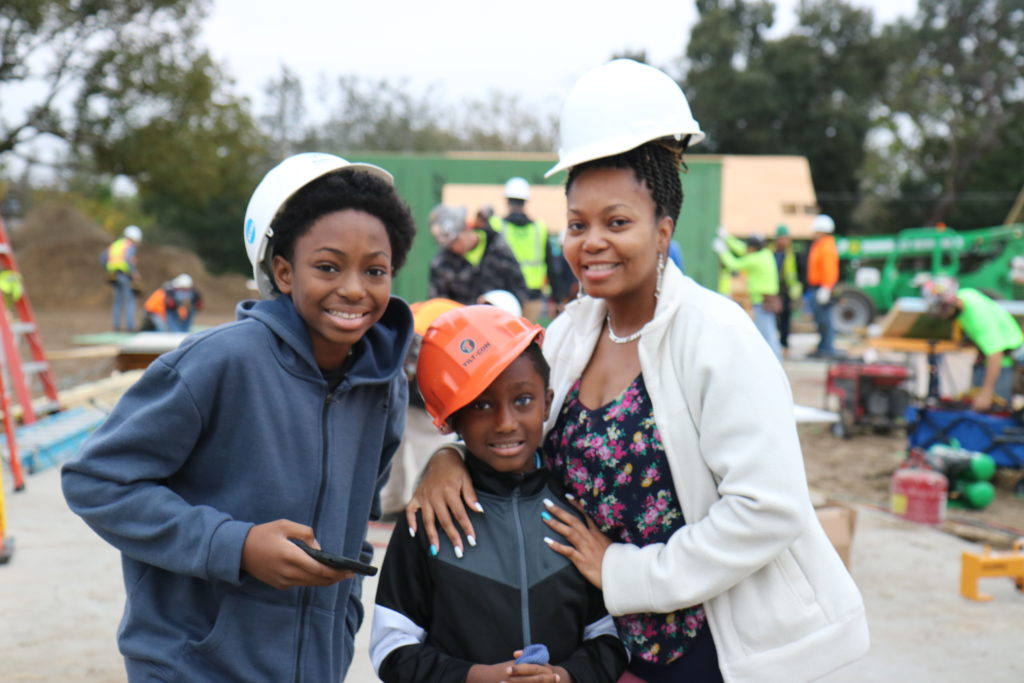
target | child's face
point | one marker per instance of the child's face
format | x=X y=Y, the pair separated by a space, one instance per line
x=505 y=424
x=339 y=280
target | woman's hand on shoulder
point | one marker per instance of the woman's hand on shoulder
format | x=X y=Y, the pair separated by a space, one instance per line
x=269 y=555
x=442 y=496
x=587 y=543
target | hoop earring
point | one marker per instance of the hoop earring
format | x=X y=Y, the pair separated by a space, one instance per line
x=661 y=275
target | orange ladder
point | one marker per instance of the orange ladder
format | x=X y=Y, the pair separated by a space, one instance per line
x=15 y=329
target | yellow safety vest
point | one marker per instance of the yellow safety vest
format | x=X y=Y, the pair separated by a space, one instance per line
x=116 y=259
x=11 y=285
x=527 y=243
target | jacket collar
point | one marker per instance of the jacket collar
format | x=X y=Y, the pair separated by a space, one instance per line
x=486 y=478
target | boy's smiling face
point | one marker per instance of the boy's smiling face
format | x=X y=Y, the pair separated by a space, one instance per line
x=504 y=425
x=339 y=279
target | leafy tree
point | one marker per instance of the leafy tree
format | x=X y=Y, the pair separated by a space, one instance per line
x=809 y=93
x=284 y=119
x=58 y=51
x=385 y=115
x=127 y=86
x=954 y=110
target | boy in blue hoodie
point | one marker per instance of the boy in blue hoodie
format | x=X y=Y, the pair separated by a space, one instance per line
x=278 y=426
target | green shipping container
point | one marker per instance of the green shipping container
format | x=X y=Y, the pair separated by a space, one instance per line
x=420 y=180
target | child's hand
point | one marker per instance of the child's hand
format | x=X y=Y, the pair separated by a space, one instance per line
x=510 y=672
x=535 y=673
x=276 y=561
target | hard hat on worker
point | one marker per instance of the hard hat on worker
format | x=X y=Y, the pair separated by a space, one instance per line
x=183 y=281
x=503 y=299
x=823 y=223
x=517 y=188
x=939 y=294
x=424 y=313
x=463 y=351
x=447 y=223
x=617 y=107
x=276 y=188
x=133 y=232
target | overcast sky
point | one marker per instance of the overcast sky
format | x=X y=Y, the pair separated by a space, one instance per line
x=465 y=48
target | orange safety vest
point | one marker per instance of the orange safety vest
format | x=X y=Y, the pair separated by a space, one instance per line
x=823 y=263
x=157 y=303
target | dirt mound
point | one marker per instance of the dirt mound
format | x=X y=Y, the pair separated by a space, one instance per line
x=58 y=251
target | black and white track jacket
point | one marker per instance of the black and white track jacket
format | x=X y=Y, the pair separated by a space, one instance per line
x=437 y=616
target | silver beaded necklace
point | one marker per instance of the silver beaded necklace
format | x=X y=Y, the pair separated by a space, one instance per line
x=616 y=338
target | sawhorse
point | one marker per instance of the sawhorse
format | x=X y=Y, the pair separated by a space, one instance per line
x=976 y=566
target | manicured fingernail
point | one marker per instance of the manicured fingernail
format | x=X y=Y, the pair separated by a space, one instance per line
x=548 y=503
x=412 y=532
x=472 y=539
x=458 y=552
x=433 y=550
x=569 y=496
x=549 y=541
x=478 y=507
x=544 y=515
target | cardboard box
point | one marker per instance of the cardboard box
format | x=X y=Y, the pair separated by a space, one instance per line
x=839 y=522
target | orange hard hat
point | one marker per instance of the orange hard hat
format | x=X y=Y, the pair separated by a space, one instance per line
x=425 y=312
x=463 y=351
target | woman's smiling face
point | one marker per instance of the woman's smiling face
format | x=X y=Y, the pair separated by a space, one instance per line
x=613 y=237
x=339 y=279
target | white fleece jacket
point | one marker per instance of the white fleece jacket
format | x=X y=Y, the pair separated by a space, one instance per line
x=779 y=601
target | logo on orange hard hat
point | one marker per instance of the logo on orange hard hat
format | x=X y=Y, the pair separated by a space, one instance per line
x=463 y=351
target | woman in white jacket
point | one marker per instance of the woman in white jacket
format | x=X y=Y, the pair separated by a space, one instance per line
x=674 y=429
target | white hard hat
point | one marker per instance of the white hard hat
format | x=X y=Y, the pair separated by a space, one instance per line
x=517 y=188
x=823 y=223
x=183 y=281
x=276 y=188
x=503 y=299
x=618 y=106
x=134 y=233
x=447 y=223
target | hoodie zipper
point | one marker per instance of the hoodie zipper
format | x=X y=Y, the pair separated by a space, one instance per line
x=306 y=593
x=524 y=585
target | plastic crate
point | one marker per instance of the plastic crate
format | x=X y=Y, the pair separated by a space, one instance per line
x=1001 y=437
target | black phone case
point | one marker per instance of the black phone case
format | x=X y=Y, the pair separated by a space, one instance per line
x=336 y=561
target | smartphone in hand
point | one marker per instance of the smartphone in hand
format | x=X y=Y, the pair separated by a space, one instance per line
x=336 y=561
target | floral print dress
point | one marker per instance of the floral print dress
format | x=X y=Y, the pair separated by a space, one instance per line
x=611 y=458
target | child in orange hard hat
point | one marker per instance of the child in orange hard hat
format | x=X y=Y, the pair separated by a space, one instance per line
x=483 y=376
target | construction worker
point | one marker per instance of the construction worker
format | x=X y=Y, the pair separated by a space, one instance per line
x=121 y=262
x=822 y=276
x=791 y=273
x=173 y=306
x=473 y=259
x=988 y=326
x=752 y=258
x=529 y=241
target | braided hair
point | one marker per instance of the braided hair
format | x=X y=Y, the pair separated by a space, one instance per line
x=656 y=164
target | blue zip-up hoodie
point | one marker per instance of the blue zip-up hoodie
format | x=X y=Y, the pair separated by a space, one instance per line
x=234 y=428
